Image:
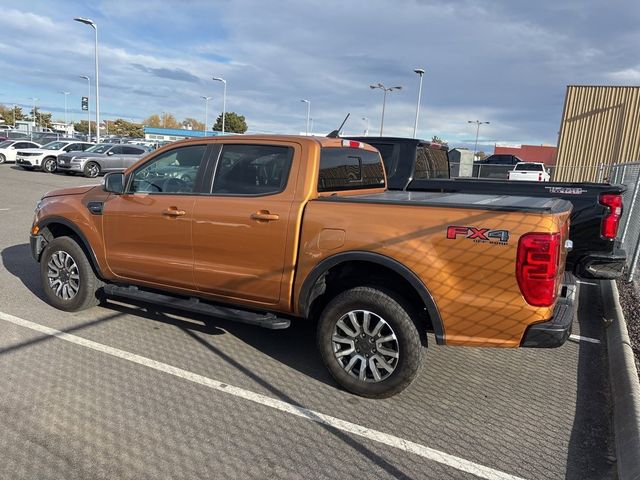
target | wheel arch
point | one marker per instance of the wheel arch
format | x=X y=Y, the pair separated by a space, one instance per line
x=314 y=286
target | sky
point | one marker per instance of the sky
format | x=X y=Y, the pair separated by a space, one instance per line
x=506 y=62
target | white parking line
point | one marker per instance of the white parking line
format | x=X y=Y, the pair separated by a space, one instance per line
x=578 y=338
x=368 y=433
x=4 y=209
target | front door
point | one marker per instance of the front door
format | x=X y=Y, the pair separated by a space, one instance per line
x=240 y=230
x=147 y=230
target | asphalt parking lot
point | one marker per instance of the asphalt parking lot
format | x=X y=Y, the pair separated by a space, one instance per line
x=131 y=392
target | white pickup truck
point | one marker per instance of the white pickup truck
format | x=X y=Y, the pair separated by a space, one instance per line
x=530 y=172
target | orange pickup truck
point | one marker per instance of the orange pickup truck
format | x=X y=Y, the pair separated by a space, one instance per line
x=266 y=229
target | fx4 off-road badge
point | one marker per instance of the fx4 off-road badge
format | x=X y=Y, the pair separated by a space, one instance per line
x=478 y=235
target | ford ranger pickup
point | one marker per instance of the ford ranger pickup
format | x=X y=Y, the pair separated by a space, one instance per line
x=268 y=229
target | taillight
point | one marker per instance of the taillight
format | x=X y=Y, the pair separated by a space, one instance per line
x=352 y=144
x=610 y=222
x=538 y=267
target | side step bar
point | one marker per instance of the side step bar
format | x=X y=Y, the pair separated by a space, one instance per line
x=265 y=320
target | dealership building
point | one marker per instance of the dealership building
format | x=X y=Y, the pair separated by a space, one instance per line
x=172 y=134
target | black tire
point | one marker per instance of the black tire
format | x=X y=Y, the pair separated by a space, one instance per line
x=2 y=158
x=49 y=165
x=396 y=315
x=91 y=170
x=87 y=294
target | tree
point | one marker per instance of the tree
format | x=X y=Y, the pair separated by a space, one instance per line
x=11 y=114
x=43 y=119
x=437 y=139
x=123 y=128
x=153 y=121
x=195 y=124
x=83 y=127
x=232 y=123
x=481 y=155
x=166 y=120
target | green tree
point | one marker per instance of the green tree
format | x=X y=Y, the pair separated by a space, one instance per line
x=195 y=124
x=481 y=155
x=153 y=121
x=233 y=123
x=11 y=114
x=437 y=139
x=83 y=127
x=43 y=119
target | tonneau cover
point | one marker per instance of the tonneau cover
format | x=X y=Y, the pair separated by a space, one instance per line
x=459 y=200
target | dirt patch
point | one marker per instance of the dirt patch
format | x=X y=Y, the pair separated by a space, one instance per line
x=630 y=301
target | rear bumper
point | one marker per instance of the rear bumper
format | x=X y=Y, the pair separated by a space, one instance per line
x=602 y=265
x=554 y=332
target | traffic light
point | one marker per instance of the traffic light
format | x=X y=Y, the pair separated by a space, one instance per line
x=85 y=103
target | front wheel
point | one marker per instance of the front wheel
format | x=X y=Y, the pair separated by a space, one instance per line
x=49 y=165
x=91 y=170
x=369 y=343
x=3 y=158
x=67 y=278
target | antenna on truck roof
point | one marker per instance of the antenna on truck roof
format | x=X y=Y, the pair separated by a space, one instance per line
x=336 y=133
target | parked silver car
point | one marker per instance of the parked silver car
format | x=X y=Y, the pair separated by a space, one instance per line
x=101 y=158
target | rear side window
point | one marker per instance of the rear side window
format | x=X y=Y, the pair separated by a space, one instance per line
x=252 y=170
x=132 y=151
x=431 y=163
x=532 y=167
x=349 y=169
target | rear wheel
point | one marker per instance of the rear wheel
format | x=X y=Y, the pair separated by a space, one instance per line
x=49 y=165
x=369 y=343
x=2 y=158
x=91 y=170
x=68 y=280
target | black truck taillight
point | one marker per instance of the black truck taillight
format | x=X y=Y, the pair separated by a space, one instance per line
x=611 y=220
x=538 y=267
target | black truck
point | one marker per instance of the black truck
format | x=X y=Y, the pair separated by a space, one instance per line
x=419 y=165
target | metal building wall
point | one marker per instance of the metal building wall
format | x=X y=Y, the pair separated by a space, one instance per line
x=600 y=127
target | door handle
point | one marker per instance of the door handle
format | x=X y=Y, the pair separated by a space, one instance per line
x=173 y=212
x=264 y=215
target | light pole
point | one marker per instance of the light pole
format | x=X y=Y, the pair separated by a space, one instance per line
x=66 y=126
x=163 y=119
x=420 y=72
x=224 y=100
x=91 y=23
x=366 y=130
x=35 y=114
x=88 y=79
x=206 y=111
x=478 y=123
x=308 y=102
x=384 y=100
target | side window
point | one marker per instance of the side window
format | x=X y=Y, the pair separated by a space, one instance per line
x=431 y=163
x=73 y=147
x=116 y=150
x=85 y=146
x=252 y=170
x=132 y=151
x=174 y=171
x=22 y=145
x=349 y=169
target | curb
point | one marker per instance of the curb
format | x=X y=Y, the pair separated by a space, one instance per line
x=625 y=387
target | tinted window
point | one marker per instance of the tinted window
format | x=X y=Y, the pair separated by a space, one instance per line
x=132 y=151
x=431 y=163
x=252 y=170
x=174 y=171
x=100 y=148
x=349 y=169
x=24 y=145
x=387 y=153
x=534 y=167
x=54 y=145
x=116 y=150
x=6 y=143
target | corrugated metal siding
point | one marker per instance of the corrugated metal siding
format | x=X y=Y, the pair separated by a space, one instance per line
x=600 y=127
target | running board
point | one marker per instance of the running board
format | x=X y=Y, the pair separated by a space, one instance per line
x=265 y=320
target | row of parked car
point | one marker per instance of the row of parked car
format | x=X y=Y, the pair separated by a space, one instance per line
x=71 y=156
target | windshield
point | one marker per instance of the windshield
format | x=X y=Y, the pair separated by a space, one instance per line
x=100 y=148
x=6 y=143
x=54 y=145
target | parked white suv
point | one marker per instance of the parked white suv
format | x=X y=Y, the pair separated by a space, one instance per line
x=45 y=158
x=9 y=149
x=530 y=172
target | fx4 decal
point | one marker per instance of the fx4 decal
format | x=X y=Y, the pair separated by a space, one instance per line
x=479 y=235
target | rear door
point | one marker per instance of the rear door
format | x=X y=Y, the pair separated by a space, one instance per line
x=112 y=161
x=241 y=228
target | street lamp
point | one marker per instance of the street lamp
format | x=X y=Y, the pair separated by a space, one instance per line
x=224 y=99
x=88 y=79
x=308 y=102
x=478 y=123
x=206 y=111
x=93 y=25
x=66 y=126
x=366 y=130
x=420 y=72
x=384 y=100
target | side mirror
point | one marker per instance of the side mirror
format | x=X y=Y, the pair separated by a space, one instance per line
x=114 y=183
x=110 y=152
